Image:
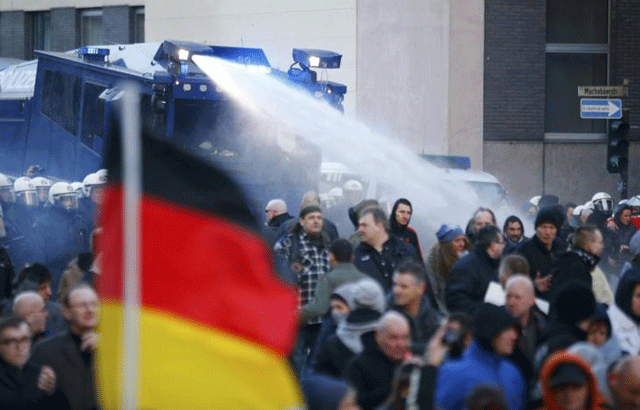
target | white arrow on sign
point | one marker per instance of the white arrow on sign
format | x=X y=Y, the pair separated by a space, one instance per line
x=612 y=108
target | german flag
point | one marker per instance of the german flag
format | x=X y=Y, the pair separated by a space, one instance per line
x=215 y=323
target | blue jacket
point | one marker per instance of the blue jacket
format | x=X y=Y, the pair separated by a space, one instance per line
x=458 y=378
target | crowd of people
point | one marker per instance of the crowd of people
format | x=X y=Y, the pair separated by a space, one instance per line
x=485 y=318
x=48 y=304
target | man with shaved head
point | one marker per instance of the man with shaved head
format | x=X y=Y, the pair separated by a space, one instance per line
x=276 y=214
x=624 y=384
x=30 y=307
x=371 y=372
x=521 y=303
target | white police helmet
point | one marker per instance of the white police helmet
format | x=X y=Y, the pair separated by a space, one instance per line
x=535 y=200
x=26 y=192
x=91 y=180
x=42 y=185
x=62 y=195
x=602 y=201
x=6 y=189
x=78 y=187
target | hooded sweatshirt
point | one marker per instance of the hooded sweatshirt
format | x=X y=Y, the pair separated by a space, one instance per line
x=479 y=365
x=404 y=232
x=596 y=401
x=625 y=323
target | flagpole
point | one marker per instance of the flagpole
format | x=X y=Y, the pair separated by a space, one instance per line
x=132 y=185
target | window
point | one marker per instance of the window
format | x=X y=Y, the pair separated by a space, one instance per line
x=61 y=99
x=576 y=55
x=138 y=25
x=91 y=28
x=92 y=114
x=40 y=31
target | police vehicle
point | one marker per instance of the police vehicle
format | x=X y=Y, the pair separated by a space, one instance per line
x=54 y=111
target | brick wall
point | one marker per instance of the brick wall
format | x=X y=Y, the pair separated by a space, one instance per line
x=625 y=55
x=12 y=27
x=514 y=70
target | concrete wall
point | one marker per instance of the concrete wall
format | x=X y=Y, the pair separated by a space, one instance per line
x=572 y=171
x=466 y=70
x=277 y=27
x=518 y=166
x=403 y=70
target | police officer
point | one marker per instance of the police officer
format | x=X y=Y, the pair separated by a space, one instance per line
x=60 y=234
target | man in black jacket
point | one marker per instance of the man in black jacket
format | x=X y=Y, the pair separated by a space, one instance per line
x=379 y=253
x=71 y=354
x=276 y=214
x=578 y=263
x=23 y=384
x=471 y=275
x=371 y=372
x=542 y=250
x=409 y=298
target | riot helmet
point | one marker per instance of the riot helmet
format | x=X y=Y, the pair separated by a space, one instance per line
x=79 y=188
x=602 y=202
x=25 y=191
x=6 y=189
x=42 y=185
x=62 y=196
x=94 y=184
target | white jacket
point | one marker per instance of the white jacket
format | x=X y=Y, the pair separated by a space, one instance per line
x=625 y=329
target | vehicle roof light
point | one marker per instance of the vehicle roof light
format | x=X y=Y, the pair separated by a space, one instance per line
x=316 y=58
x=183 y=54
x=93 y=53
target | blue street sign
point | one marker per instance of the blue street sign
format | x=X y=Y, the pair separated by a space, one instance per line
x=600 y=108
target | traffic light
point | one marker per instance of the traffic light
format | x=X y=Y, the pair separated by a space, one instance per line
x=618 y=147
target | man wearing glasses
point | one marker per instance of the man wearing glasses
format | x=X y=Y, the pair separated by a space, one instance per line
x=71 y=354
x=23 y=384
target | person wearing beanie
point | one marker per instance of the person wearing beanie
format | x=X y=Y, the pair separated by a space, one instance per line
x=367 y=305
x=625 y=313
x=471 y=275
x=485 y=362
x=452 y=244
x=326 y=393
x=342 y=272
x=399 y=225
x=570 y=313
x=542 y=249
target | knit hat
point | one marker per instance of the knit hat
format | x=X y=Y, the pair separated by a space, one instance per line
x=489 y=321
x=448 y=233
x=309 y=209
x=368 y=294
x=322 y=392
x=549 y=215
x=573 y=302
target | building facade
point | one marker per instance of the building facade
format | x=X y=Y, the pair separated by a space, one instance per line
x=492 y=79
